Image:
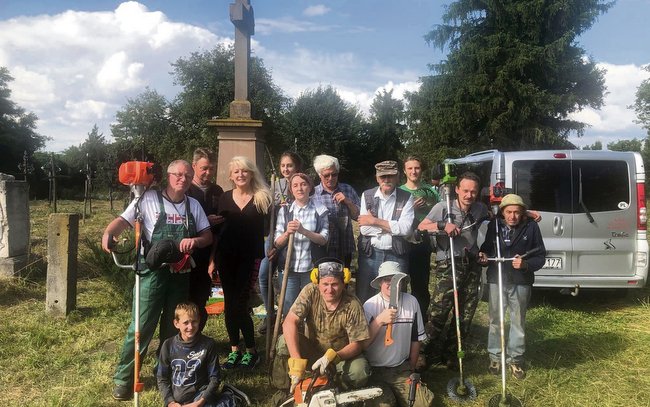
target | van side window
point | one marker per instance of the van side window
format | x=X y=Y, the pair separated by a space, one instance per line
x=604 y=184
x=544 y=184
x=553 y=186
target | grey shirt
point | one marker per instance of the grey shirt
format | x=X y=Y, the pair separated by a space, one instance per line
x=466 y=241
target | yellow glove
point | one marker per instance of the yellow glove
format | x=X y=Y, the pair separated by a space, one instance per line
x=297 y=369
x=321 y=364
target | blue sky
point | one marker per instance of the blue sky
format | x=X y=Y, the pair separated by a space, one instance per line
x=77 y=62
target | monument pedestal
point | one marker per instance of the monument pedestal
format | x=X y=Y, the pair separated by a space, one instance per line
x=238 y=136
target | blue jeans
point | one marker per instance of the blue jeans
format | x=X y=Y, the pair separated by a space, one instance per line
x=265 y=275
x=223 y=400
x=369 y=267
x=295 y=283
x=516 y=298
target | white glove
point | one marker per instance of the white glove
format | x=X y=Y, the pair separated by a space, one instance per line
x=321 y=364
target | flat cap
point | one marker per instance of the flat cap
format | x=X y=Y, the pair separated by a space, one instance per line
x=386 y=168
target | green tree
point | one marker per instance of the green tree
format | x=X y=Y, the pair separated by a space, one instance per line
x=323 y=123
x=513 y=74
x=596 y=146
x=626 y=145
x=208 y=82
x=642 y=103
x=386 y=125
x=17 y=129
x=145 y=131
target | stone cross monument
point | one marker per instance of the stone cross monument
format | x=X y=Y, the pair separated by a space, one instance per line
x=239 y=134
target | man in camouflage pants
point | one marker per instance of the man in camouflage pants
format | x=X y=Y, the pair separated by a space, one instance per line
x=466 y=211
x=335 y=328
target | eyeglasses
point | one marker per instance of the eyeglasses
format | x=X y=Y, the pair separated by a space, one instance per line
x=330 y=175
x=180 y=175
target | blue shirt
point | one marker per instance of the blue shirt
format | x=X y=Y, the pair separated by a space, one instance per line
x=338 y=213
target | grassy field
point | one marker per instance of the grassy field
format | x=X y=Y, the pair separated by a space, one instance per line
x=590 y=350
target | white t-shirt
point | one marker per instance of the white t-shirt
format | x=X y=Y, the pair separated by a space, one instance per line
x=150 y=209
x=408 y=327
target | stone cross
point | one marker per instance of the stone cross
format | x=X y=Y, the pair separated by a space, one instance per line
x=241 y=15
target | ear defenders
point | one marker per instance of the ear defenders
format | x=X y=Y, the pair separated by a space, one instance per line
x=330 y=267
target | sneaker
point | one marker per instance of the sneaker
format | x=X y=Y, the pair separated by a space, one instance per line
x=494 y=368
x=249 y=360
x=122 y=392
x=234 y=358
x=240 y=398
x=518 y=371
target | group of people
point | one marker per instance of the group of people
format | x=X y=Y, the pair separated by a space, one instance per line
x=325 y=325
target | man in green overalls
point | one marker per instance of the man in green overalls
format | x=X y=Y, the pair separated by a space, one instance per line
x=166 y=215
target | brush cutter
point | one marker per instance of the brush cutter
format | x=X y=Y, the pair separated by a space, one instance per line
x=138 y=176
x=317 y=392
x=458 y=389
x=503 y=399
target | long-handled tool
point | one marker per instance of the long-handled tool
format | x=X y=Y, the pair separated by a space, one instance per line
x=503 y=399
x=139 y=176
x=269 y=291
x=458 y=389
x=283 y=291
x=394 y=303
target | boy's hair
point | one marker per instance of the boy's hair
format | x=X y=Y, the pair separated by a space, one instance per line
x=189 y=308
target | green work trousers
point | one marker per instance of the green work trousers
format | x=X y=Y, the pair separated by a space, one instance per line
x=160 y=291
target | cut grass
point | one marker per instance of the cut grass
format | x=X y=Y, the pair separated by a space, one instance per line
x=593 y=349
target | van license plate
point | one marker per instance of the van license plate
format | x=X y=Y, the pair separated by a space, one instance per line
x=553 y=263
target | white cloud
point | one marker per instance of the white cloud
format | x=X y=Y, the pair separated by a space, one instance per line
x=317 y=10
x=117 y=73
x=266 y=26
x=622 y=82
x=75 y=69
x=614 y=121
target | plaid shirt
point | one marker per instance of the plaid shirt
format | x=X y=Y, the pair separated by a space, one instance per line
x=324 y=198
x=307 y=215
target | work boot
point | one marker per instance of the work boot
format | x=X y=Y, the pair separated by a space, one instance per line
x=122 y=392
x=494 y=368
x=518 y=371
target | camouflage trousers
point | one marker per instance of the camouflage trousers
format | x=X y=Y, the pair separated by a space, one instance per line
x=443 y=341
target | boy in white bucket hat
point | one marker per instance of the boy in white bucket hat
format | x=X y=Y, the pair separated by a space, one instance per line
x=393 y=364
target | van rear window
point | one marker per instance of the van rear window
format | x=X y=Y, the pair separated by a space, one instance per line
x=554 y=186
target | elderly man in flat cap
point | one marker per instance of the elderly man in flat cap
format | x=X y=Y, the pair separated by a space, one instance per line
x=385 y=220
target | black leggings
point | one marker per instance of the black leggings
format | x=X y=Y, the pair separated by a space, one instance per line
x=238 y=278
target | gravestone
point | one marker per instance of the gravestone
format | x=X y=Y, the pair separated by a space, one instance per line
x=14 y=226
x=62 y=248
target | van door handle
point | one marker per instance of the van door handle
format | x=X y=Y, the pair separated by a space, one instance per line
x=558 y=227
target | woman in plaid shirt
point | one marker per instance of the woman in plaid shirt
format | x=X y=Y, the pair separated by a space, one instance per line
x=309 y=222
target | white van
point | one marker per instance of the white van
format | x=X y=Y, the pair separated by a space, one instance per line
x=593 y=211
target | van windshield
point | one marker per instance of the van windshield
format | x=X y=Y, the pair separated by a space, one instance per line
x=552 y=185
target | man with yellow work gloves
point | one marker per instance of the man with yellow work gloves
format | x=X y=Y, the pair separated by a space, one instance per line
x=334 y=330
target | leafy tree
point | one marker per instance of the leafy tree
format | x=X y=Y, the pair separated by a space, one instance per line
x=144 y=129
x=386 y=125
x=642 y=103
x=208 y=81
x=17 y=129
x=513 y=75
x=596 y=146
x=323 y=123
x=626 y=145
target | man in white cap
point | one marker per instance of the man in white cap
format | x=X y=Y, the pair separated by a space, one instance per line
x=518 y=235
x=393 y=364
x=385 y=220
